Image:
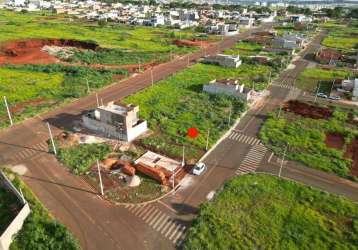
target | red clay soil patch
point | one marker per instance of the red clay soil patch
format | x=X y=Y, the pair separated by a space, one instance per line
x=334 y=140
x=192 y=43
x=352 y=152
x=307 y=110
x=30 y=51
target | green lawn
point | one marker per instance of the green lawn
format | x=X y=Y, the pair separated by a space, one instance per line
x=244 y=49
x=80 y=158
x=265 y=212
x=40 y=230
x=31 y=89
x=343 y=37
x=178 y=103
x=306 y=138
x=46 y=25
x=309 y=78
x=9 y=207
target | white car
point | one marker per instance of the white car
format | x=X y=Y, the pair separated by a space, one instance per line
x=322 y=95
x=199 y=168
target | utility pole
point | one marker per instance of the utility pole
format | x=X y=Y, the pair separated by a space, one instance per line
x=138 y=65
x=151 y=76
x=282 y=160
x=51 y=137
x=230 y=115
x=183 y=159
x=319 y=86
x=88 y=88
x=8 y=111
x=97 y=100
x=279 y=112
x=334 y=81
x=100 y=178
x=207 y=140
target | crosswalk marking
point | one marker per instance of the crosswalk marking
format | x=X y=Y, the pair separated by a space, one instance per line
x=160 y=222
x=29 y=151
x=252 y=160
x=282 y=85
x=235 y=136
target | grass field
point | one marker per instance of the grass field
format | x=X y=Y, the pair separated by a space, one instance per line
x=40 y=230
x=264 y=212
x=341 y=36
x=309 y=78
x=244 y=49
x=178 y=103
x=9 y=207
x=46 y=25
x=306 y=138
x=31 y=89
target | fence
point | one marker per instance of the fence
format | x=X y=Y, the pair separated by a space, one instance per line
x=17 y=222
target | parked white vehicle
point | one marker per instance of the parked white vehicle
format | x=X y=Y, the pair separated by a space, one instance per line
x=199 y=168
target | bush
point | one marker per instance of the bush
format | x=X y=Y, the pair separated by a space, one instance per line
x=81 y=157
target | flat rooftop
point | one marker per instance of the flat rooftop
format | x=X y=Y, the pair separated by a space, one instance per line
x=155 y=160
x=117 y=108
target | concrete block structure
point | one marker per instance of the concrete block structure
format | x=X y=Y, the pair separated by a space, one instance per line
x=230 y=87
x=351 y=86
x=230 y=61
x=116 y=120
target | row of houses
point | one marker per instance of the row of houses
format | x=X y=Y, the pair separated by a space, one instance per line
x=150 y=15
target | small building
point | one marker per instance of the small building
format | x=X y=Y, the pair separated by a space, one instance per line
x=327 y=56
x=116 y=120
x=230 y=61
x=351 y=86
x=229 y=87
x=246 y=22
x=159 y=167
x=289 y=42
x=224 y=29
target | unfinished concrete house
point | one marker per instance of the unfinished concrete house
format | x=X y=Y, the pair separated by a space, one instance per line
x=116 y=120
x=230 y=61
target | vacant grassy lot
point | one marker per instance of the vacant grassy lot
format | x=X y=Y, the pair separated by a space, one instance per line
x=9 y=207
x=178 y=103
x=31 y=89
x=40 y=230
x=264 y=212
x=46 y=25
x=244 y=49
x=342 y=36
x=309 y=78
x=307 y=139
x=81 y=157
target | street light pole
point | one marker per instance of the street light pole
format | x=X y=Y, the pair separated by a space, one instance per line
x=97 y=100
x=88 y=88
x=100 y=178
x=319 y=86
x=8 y=111
x=282 y=160
x=207 y=140
x=51 y=137
x=183 y=159
x=151 y=76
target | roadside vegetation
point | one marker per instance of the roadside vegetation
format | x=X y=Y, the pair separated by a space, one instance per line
x=178 y=103
x=81 y=157
x=308 y=139
x=31 y=89
x=9 y=207
x=265 y=212
x=244 y=49
x=40 y=230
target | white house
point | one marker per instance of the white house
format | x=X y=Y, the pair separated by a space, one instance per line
x=224 y=29
x=230 y=87
x=246 y=22
x=289 y=42
x=230 y=61
x=116 y=120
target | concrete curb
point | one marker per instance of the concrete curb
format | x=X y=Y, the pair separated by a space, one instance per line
x=224 y=136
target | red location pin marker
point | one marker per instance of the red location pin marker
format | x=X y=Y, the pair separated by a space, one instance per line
x=193 y=132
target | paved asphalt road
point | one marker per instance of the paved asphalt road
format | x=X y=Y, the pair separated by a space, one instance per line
x=161 y=225
x=96 y=223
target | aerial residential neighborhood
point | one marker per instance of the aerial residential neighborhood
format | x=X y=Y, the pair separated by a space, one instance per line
x=164 y=124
